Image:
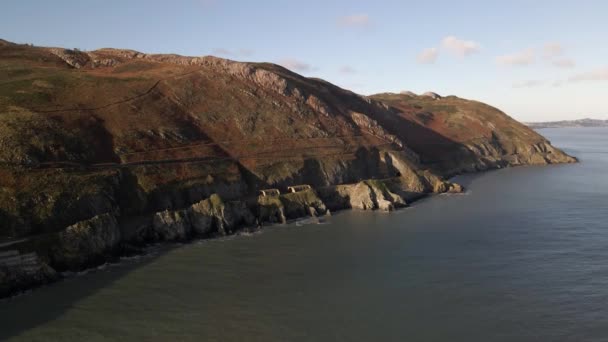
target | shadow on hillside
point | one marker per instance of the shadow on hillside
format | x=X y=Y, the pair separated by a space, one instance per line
x=435 y=150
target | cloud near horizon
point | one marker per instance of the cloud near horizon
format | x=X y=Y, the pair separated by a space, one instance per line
x=564 y=63
x=551 y=50
x=600 y=74
x=428 y=56
x=529 y=84
x=522 y=58
x=460 y=47
x=348 y=70
x=355 y=20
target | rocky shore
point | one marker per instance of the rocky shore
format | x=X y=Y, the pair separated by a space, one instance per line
x=105 y=237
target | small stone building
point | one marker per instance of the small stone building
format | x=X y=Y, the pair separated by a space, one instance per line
x=270 y=192
x=296 y=188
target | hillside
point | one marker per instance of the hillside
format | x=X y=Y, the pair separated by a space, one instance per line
x=102 y=152
x=569 y=123
x=455 y=135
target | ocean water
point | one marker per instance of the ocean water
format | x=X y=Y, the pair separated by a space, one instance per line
x=523 y=256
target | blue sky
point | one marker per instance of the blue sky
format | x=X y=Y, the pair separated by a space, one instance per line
x=536 y=60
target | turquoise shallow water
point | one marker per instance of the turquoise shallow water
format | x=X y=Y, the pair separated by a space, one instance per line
x=523 y=256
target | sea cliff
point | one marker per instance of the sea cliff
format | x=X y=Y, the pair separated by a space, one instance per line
x=105 y=152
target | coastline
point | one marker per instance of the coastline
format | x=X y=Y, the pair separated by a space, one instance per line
x=171 y=229
x=210 y=218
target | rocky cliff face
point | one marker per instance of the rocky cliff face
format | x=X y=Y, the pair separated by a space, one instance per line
x=105 y=151
x=22 y=271
x=86 y=243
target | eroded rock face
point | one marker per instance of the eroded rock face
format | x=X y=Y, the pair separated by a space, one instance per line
x=207 y=217
x=432 y=95
x=367 y=195
x=170 y=226
x=370 y=125
x=270 y=209
x=17 y=278
x=237 y=214
x=22 y=271
x=73 y=58
x=86 y=243
x=303 y=203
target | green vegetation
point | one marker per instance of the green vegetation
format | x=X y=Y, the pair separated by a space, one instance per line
x=44 y=201
x=216 y=201
x=29 y=138
x=137 y=66
x=378 y=184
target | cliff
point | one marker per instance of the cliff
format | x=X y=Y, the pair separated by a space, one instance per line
x=104 y=152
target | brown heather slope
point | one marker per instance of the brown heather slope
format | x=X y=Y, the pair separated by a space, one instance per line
x=454 y=135
x=104 y=150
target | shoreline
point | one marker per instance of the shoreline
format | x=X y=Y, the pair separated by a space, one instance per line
x=129 y=248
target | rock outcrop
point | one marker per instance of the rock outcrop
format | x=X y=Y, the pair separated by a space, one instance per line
x=23 y=271
x=432 y=95
x=209 y=217
x=366 y=195
x=302 y=203
x=86 y=243
x=270 y=209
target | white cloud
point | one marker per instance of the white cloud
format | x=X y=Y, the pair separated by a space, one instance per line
x=347 y=70
x=428 y=56
x=600 y=74
x=295 y=65
x=355 y=20
x=551 y=50
x=460 y=47
x=565 y=63
x=521 y=58
x=529 y=84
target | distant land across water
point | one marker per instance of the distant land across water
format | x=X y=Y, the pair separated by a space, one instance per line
x=569 y=123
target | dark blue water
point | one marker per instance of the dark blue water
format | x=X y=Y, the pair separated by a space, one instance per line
x=522 y=257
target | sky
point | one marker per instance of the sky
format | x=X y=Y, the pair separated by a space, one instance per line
x=536 y=60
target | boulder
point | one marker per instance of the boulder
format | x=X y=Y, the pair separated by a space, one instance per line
x=86 y=243
x=171 y=226
x=432 y=95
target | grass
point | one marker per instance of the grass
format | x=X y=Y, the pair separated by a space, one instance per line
x=216 y=201
x=378 y=184
x=44 y=201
